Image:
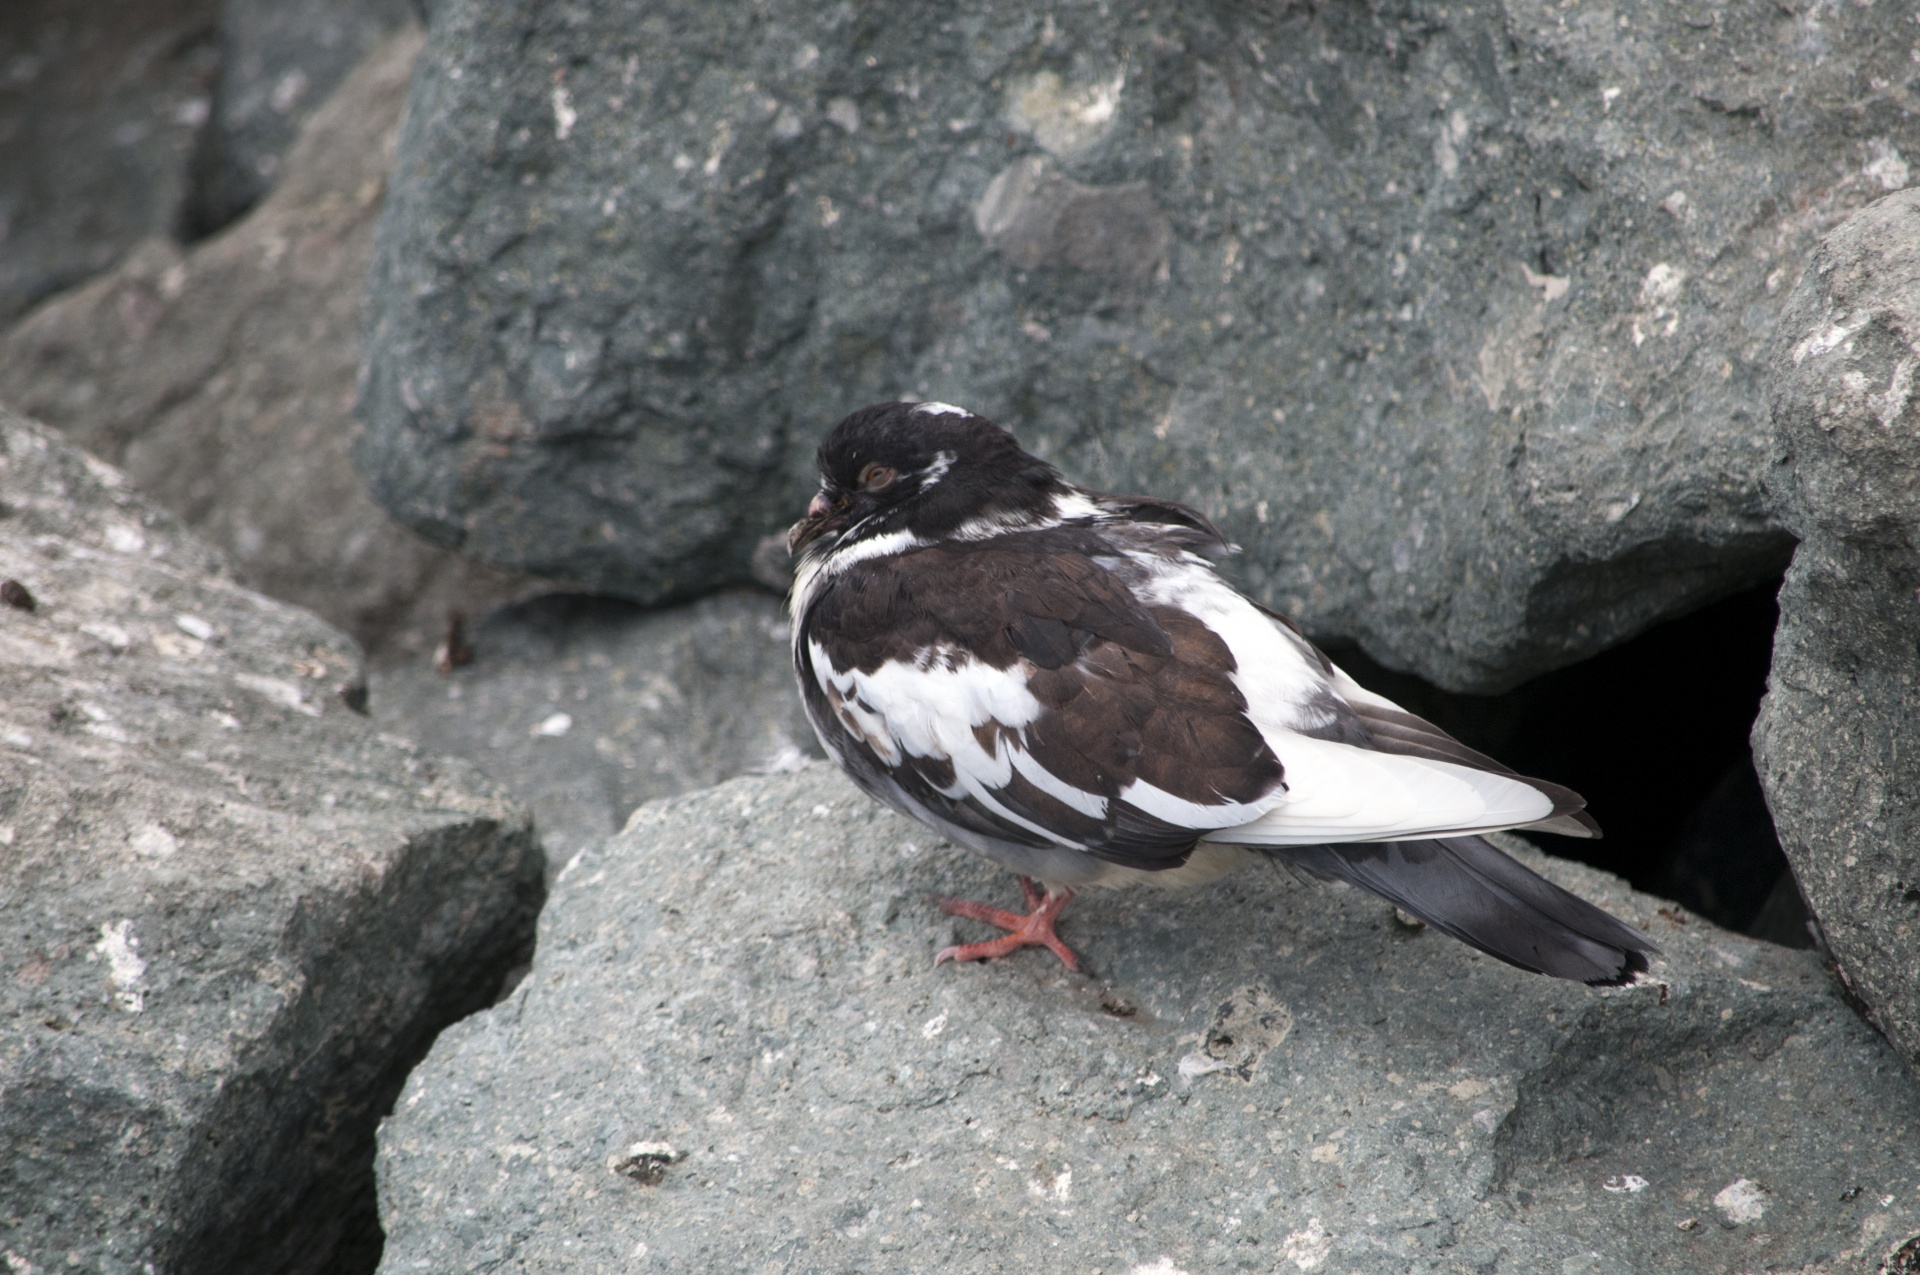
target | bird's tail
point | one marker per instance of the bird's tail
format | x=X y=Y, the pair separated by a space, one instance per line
x=1466 y=888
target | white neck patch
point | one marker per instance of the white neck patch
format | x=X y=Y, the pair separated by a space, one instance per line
x=811 y=573
x=939 y=409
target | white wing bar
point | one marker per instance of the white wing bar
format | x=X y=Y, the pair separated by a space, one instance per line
x=1336 y=792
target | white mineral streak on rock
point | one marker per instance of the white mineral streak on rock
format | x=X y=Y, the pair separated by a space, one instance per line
x=843 y=113
x=1163 y=1266
x=284 y=693
x=1308 y=1247
x=1659 y=302
x=1661 y=287
x=1742 y=1200
x=126 y=972
x=1059 y=1190
x=151 y=841
x=1447 y=143
x=1064 y=119
x=1886 y=166
x=787 y=759
x=1817 y=343
x=122 y=538
x=112 y=634
x=1552 y=286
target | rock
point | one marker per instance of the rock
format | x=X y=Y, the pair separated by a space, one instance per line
x=736 y=995
x=586 y=707
x=100 y=103
x=232 y=913
x=278 y=62
x=1454 y=317
x=1834 y=743
x=223 y=380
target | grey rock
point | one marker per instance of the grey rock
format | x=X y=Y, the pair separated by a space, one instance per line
x=232 y=913
x=1835 y=741
x=100 y=105
x=1454 y=317
x=278 y=62
x=587 y=707
x=1037 y=220
x=736 y=995
x=222 y=379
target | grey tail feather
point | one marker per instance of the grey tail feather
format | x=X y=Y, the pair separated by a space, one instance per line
x=1463 y=886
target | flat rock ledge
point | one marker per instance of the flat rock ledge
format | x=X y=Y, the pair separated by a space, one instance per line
x=734 y=1054
x=232 y=914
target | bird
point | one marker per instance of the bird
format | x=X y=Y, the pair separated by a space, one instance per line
x=1061 y=679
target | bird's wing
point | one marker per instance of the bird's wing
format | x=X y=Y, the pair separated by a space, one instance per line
x=1342 y=792
x=1020 y=689
x=1393 y=729
x=1375 y=772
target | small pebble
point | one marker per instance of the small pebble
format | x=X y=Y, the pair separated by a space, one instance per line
x=645 y=1162
x=15 y=595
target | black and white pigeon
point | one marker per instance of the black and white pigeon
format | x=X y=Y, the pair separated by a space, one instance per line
x=1058 y=679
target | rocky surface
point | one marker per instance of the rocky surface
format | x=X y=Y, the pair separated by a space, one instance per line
x=278 y=62
x=232 y=912
x=733 y=1052
x=586 y=707
x=1835 y=740
x=222 y=379
x=100 y=105
x=1454 y=316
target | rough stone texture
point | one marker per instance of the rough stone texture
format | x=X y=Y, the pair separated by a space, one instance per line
x=222 y=379
x=586 y=707
x=745 y=975
x=100 y=103
x=278 y=62
x=232 y=914
x=1835 y=740
x=1454 y=316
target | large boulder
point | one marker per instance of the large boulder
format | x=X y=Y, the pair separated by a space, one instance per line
x=586 y=707
x=1453 y=316
x=734 y=1053
x=1835 y=743
x=232 y=912
x=100 y=105
x=222 y=379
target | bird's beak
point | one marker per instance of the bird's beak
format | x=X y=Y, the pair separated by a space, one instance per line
x=819 y=510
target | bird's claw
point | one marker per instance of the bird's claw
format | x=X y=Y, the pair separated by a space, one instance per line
x=1035 y=929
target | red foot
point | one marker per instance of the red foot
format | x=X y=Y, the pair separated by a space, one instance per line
x=1033 y=930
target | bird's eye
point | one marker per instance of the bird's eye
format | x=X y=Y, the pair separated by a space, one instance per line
x=877 y=477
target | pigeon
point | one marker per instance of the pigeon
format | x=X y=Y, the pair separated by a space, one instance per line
x=1060 y=679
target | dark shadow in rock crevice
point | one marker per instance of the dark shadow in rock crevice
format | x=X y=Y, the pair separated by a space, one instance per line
x=301 y=1198
x=1654 y=734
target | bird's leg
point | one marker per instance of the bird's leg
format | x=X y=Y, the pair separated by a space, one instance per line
x=1035 y=929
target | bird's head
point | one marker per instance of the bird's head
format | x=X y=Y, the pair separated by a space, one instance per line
x=922 y=468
